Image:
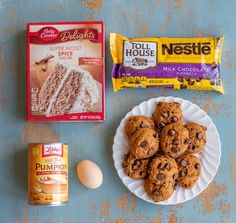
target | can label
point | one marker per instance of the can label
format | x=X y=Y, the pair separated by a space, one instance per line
x=47 y=173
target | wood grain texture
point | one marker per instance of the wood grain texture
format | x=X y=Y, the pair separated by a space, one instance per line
x=112 y=202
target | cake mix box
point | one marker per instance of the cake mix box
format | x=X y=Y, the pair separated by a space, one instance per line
x=65 y=71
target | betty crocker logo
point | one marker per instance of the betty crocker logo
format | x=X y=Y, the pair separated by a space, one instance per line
x=48 y=33
x=53 y=150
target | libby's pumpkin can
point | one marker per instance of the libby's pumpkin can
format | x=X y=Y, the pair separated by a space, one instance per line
x=48 y=174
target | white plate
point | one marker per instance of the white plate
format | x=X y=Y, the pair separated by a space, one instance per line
x=210 y=156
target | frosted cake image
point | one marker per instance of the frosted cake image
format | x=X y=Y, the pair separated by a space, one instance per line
x=68 y=90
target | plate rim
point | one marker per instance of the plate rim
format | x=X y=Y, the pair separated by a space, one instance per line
x=169 y=98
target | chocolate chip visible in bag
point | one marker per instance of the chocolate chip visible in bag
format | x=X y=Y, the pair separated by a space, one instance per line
x=183 y=86
x=180 y=79
x=191 y=82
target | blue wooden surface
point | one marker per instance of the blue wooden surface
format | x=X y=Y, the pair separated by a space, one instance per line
x=112 y=202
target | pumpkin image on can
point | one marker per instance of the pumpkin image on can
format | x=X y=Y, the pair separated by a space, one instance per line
x=48 y=174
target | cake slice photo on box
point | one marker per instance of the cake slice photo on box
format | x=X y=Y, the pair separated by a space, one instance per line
x=65 y=71
x=74 y=91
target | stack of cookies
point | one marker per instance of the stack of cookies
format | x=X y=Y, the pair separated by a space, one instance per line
x=161 y=150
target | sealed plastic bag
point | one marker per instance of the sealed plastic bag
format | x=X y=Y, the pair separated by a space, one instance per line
x=179 y=63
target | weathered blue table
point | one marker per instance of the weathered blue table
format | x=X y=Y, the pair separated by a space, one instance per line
x=112 y=202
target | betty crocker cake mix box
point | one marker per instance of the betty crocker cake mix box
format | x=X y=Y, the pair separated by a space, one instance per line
x=65 y=71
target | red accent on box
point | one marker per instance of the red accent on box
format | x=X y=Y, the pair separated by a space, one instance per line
x=90 y=61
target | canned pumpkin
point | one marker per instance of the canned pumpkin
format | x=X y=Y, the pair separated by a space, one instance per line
x=47 y=174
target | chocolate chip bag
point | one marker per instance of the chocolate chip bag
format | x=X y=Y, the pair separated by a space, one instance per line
x=179 y=63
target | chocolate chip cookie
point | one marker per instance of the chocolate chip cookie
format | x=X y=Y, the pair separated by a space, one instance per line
x=167 y=113
x=159 y=192
x=189 y=170
x=135 y=168
x=197 y=137
x=162 y=168
x=137 y=122
x=144 y=143
x=174 y=140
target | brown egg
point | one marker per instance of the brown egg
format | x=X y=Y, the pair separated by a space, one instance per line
x=89 y=174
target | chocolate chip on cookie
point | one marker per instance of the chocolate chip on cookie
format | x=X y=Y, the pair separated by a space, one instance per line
x=175 y=186
x=167 y=166
x=171 y=132
x=155 y=192
x=151 y=152
x=165 y=115
x=174 y=119
x=161 y=124
x=161 y=166
x=160 y=176
x=138 y=162
x=175 y=142
x=144 y=144
x=174 y=149
x=182 y=173
x=175 y=176
x=199 y=135
x=155 y=135
x=191 y=146
x=197 y=166
x=143 y=125
x=186 y=141
x=184 y=163
x=135 y=167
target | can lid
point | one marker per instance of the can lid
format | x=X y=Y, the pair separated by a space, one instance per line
x=49 y=204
